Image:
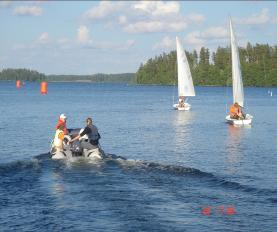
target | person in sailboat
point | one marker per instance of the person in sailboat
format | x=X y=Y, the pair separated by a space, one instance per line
x=89 y=136
x=236 y=112
x=182 y=102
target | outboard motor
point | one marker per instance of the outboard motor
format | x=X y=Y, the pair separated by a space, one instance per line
x=76 y=148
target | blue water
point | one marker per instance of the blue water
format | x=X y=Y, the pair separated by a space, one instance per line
x=165 y=167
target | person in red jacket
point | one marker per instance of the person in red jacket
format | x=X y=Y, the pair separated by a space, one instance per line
x=62 y=121
x=236 y=112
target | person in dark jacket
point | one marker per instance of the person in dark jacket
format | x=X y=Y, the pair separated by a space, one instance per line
x=89 y=136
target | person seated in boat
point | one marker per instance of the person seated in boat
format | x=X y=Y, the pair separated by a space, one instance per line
x=89 y=136
x=62 y=121
x=181 y=102
x=59 y=137
x=236 y=112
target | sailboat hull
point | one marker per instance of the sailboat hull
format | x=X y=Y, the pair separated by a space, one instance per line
x=181 y=108
x=240 y=122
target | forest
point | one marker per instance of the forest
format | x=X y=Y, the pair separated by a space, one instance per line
x=258 y=66
x=31 y=75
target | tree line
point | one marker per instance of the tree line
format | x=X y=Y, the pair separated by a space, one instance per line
x=258 y=66
x=31 y=75
x=23 y=74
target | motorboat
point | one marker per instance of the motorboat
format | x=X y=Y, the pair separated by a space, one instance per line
x=74 y=149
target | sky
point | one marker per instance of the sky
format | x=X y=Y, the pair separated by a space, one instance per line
x=88 y=37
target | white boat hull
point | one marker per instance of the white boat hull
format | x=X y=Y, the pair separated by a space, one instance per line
x=68 y=153
x=240 y=122
x=57 y=155
x=93 y=154
x=185 y=107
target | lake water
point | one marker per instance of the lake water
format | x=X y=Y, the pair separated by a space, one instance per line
x=184 y=171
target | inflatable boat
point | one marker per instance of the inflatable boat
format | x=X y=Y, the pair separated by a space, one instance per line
x=74 y=149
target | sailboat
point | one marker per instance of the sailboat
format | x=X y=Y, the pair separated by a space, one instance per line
x=238 y=95
x=185 y=84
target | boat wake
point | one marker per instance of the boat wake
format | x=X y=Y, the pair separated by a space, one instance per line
x=38 y=163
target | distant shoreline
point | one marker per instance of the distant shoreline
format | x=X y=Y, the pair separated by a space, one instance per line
x=93 y=82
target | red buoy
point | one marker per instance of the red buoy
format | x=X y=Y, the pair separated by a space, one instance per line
x=43 y=87
x=18 y=84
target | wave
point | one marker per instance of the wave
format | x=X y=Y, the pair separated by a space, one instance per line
x=210 y=179
x=16 y=166
x=273 y=200
x=157 y=167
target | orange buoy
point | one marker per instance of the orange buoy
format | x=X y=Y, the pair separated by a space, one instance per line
x=43 y=87
x=18 y=84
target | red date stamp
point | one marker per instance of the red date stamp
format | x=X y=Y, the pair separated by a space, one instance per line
x=218 y=210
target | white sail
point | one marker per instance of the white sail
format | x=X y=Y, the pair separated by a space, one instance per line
x=185 y=84
x=238 y=95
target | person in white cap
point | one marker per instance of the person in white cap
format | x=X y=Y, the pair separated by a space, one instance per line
x=62 y=121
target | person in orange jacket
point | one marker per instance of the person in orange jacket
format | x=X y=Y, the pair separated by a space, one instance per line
x=236 y=112
x=62 y=121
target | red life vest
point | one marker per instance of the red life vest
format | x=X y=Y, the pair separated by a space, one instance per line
x=60 y=122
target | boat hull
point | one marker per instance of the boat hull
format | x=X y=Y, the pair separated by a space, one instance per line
x=240 y=122
x=93 y=154
x=185 y=107
x=57 y=155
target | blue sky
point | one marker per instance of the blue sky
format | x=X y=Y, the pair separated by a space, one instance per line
x=75 y=37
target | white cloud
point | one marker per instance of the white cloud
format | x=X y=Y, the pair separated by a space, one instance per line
x=107 y=46
x=104 y=9
x=157 y=8
x=256 y=19
x=215 y=32
x=84 y=39
x=63 y=40
x=5 y=3
x=18 y=47
x=165 y=43
x=43 y=38
x=210 y=35
x=195 y=17
x=143 y=16
x=28 y=11
x=127 y=45
x=122 y=19
x=155 y=26
x=83 y=35
x=64 y=43
x=194 y=38
x=274 y=20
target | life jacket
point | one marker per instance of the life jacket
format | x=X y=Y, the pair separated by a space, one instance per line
x=94 y=135
x=58 y=140
x=234 y=110
x=60 y=122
